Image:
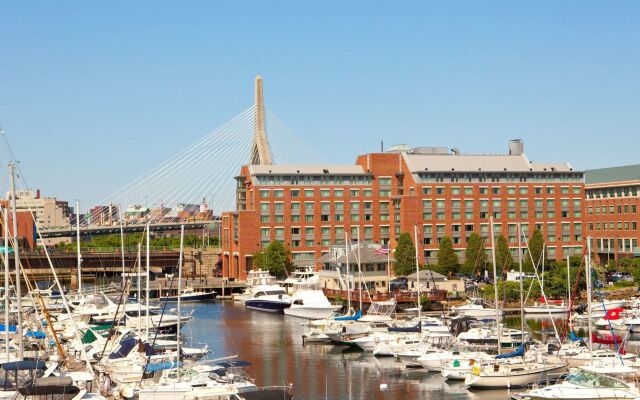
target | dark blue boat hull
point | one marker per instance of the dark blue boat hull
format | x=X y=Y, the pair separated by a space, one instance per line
x=266 y=305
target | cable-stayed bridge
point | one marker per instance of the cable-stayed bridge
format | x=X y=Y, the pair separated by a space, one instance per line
x=197 y=184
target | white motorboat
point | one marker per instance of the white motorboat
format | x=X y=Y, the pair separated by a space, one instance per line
x=547 y=308
x=311 y=304
x=256 y=279
x=190 y=294
x=269 y=298
x=582 y=384
x=306 y=278
x=475 y=308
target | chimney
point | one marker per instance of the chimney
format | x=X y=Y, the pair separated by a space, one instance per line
x=516 y=147
x=37 y=193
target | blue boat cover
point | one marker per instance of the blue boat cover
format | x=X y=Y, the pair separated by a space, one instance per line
x=518 y=353
x=161 y=366
x=36 y=334
x=12 y=328
x=125 y=348
x=350 y=317
x=574 y=337
x=23 y=365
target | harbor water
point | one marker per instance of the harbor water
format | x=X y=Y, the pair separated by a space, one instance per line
x=272 y=343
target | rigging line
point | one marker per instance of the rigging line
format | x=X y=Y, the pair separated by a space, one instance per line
x=292 y=134
x=186 y=164
x=142 y=186
x=190 y=148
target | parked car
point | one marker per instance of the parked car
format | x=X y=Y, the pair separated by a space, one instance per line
x=620 y=277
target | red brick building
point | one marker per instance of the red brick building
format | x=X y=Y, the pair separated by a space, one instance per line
x=443 y=192
x=25 y=224
x=613 y=211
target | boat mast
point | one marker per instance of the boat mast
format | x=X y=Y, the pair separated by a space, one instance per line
x=179 y=295
x=148 y=273
x=346 y=247
x=521 y=283
x=16 y=257
x=588 y=270
x=139 y=289
x=568 y=282
x=79 y=256
x=495 y=284
x=5 y=224
x=121 y=243
x=415 y=234
x=359 y=272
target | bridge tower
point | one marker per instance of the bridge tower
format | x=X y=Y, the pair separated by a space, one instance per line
x=260 y=151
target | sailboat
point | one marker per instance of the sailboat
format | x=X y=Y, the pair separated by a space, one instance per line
x=499 y=374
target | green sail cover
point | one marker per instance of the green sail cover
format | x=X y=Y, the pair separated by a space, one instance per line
x=89 y=337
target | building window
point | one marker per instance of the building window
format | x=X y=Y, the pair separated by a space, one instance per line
x=295 y=193
x=338 y=193
x=264 y=194
x=308 y=193
x=325 y=193
x=426 y=190
x=367 y=192
x=278 y=193
x=468 y=190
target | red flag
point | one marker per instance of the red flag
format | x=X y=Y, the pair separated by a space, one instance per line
x=613 y=314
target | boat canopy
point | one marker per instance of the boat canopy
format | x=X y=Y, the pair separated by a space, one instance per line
x=355 y=317
x=50 y=386
x=36 y=334
x=125 y=348
x=417 y=328
x=12 y=328
x=606 y=340
x=161 y=366
x=519 y=352
x=23 y=365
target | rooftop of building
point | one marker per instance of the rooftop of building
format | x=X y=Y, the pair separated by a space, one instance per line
x=334 y=169
x=613 y=174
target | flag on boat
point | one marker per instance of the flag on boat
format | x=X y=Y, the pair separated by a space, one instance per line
x=382 y=251
x=613 y=314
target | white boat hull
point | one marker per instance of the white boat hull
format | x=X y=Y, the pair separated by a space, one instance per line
x=311 y=312
x=509 y=379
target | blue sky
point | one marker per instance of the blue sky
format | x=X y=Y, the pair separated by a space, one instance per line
x=93 y=94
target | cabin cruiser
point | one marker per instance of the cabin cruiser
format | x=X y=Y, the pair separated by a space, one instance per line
x=190 y=294
x=269 y=298
x=582 y=384
x=311 y=304
x=256 y=278
x=475 y=308
x=306 y=277
x=488 y=336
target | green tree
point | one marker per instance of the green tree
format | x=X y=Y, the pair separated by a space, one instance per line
x=475 y=256
x=503 y=256
x=447 y=257
x=276 y=259
x=536 y=245
x=405 y=256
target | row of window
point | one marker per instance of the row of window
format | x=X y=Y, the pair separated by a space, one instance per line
x=500 y=177
x=312 y=180
x=497 y=190
x=626 y=208
x=497 y=203
x=468 y=215
x=612 y=226
x=324 y=206
x=614 y=192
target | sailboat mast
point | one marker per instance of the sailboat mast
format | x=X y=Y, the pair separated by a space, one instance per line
x=359 y=272
x=16 y=256
x=415 y=234
x=588 y=270
x=521 y=283
x=346 y=247
x=5 y=224
x=139 y=288
x=568 y=282
x=495 y=284
x=78 y=254
x=148 y=273
x=179 y=293
x=121 y=243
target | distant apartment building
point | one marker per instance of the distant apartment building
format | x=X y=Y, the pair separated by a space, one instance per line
x=613 y=211
x=135 y=213
x=48 y=211
x=442 y=192
x=104 y=215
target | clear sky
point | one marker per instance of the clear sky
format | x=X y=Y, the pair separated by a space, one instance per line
x=93 y=94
